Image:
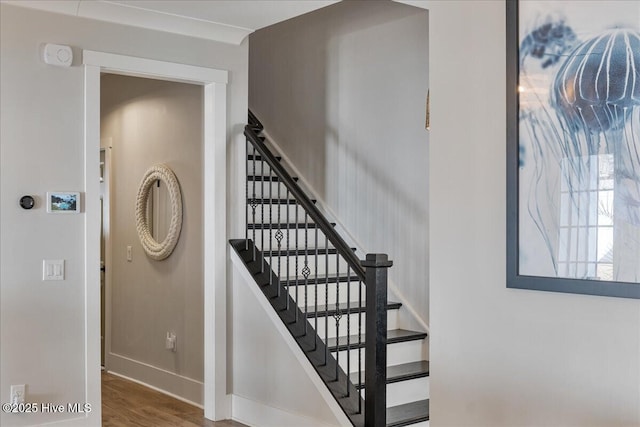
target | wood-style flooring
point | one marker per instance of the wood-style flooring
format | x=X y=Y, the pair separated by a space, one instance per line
x=126 y=404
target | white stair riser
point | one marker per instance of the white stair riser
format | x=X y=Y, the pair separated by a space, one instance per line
x=267 y=190
x=326 y=290
x=422 y=424
x=259 y=168
x=325 y=265
x=266 y=237
x=268 y=213
x=407 y=391
x=398 y=353
x=343 y=330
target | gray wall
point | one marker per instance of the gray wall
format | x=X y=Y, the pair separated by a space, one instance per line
x=42 y=334
x=151 y=122
x=342 y=90
x=505 y=357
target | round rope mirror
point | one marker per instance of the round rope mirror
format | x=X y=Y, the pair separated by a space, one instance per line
x=161 y=250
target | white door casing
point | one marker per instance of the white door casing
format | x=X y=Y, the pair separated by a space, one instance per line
x=216 y=401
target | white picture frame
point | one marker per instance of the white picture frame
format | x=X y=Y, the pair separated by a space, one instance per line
x=63 y=202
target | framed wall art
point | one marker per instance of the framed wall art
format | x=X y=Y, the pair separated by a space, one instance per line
x=63 y=202
x=573 y=146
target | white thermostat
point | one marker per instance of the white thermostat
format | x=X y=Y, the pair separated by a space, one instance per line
x=57 y=54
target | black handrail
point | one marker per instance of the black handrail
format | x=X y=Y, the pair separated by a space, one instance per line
x=372 y=273
x=314 y=213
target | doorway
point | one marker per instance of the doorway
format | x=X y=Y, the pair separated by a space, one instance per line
x=155 y=311
x=216 y=401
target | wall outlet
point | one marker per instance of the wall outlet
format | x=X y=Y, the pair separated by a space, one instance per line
x=17 y=393
x=170 y=342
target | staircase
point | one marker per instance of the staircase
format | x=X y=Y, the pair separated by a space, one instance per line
x=334 y=305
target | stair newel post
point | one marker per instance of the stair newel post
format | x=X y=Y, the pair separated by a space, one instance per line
x=375 y=361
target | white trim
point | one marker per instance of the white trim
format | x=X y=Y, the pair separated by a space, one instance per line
x=215 y=254
x=257 y=414
x=125 y=14
x=291 y=343
x=217 y=403
x=129 y=65
x=92 y=242
x=414 y=320
x=177 y=386
x=106 y=235
x=65 y=7
x=155 y=20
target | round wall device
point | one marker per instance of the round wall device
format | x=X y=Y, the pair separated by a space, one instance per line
x=27 y=202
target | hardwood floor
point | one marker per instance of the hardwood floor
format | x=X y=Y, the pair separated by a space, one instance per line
x=125 y=404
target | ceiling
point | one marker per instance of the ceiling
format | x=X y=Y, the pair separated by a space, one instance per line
x=228 y=21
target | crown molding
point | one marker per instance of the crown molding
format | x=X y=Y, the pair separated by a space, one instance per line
x=134 y=16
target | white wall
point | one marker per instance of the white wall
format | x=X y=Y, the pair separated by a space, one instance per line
x=504 y=357
x=268 y=374
x=342 y=90
x=42 y=323
x=150 y=122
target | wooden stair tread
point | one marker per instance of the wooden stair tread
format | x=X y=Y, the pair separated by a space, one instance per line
x=322 y=279
x=271 y=178
x=397 y=373
x=258 y=158
x=298 y=252
x=407 y=414
x=343 y=309
x=276 y=201
x=285 y=226
x=355 y=341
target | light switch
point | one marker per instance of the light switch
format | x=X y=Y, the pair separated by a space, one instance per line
x=53 y=269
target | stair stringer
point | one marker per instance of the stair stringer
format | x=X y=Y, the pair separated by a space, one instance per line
x=341 y=419
x=408 y=316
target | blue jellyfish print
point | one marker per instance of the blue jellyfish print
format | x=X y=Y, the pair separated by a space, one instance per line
x=582 y=139
x=596 y=96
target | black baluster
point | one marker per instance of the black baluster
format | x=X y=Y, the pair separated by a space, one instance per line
x=287 y=246
x=262 y=195
x=295 y=227
x=337 y=316
x=254 y=204
x=306 y=270
x=348 y=326
x=270 y=225
x=246 y=187
x=360 y=344
x=279 y=236
x=315 y=290
x=326 y=301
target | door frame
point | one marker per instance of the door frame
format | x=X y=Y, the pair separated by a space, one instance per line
x=106 y=146
x=217 y=404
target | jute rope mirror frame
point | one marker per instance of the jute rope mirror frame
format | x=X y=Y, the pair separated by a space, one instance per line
x=159 y=250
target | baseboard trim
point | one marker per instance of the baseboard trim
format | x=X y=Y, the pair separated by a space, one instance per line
x=177 y=386
x=74 y=422
x=256 y=414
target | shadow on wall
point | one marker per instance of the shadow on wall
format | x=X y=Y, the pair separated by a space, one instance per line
x=384 y=216
x=342 y=91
